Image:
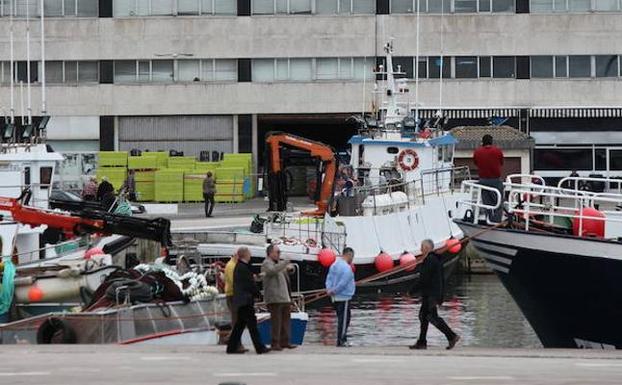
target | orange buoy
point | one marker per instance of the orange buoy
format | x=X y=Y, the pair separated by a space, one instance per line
x=35 y=294
x=383 y=262
x=591 y=227
x=408 y=259
x=326 y=257
x=453 y=245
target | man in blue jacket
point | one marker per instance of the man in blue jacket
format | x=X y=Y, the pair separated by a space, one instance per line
x=340 y=286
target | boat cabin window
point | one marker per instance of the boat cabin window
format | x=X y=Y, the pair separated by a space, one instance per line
x=45 y=176
x=26 y=176
x=393 y=150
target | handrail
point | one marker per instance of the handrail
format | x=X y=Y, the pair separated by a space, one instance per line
x=576 y=181
x=475 y=187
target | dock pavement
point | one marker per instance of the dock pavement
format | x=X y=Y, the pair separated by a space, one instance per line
x=306 y=365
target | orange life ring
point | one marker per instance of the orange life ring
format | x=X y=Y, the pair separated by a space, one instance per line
x=408 y=159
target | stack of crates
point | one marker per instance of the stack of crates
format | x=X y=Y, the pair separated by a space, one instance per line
x=185 y=163
x=230 y=184
x=161 y=158
x=113 y=166
x=169 y=185
x=245 y=161
x=144 y=173
x=193 y=180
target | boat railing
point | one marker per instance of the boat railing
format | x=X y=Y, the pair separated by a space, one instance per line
x=581 y=183
x=474 y=190
x=36 y=200
x=62 y=249
x=366 y=200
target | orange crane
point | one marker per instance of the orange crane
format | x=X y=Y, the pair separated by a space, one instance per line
x=276 y=141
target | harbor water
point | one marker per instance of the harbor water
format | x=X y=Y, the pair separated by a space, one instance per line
x=477 y=307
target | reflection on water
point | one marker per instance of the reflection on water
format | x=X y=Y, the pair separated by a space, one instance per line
x=478 y=308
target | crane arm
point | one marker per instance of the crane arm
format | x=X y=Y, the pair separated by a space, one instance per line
x=325 y=153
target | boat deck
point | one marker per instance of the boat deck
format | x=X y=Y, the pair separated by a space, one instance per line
x=309 y=364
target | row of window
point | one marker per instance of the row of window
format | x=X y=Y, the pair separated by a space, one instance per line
x=319 y=69
x=575 y=66
x=129 y=8
x=577 y=158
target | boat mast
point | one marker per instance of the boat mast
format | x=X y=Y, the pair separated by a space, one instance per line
x=12 y=61
x=439 y=113
x=43 y=101
x=417 y=67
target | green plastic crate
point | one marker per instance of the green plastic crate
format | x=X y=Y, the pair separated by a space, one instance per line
x=112 y=159
x=115 y=175
x=142 y=163
x=160 y=156
x=181 y=162
x=145 y=191
x=169 y=185
x=193 y=187
x=230 y=174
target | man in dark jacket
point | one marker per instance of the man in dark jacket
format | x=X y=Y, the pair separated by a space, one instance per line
x=209 y=191
x=105 y=194
x=430 y=285
x=244 y=292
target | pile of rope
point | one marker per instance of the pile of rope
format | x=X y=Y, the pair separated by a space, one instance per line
x=192 y=285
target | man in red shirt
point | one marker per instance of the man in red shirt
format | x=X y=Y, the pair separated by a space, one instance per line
x=489 y=161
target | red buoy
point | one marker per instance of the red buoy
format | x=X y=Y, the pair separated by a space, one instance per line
x=591 y=227
x=35 y=294
x=408 y=259
x=453 y=245
x=383 y=262
x=93 y=252
x=326 y=257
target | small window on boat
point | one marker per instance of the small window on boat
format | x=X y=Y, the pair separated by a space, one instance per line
x=45 y=177
x=26 y=176
x=393 y=150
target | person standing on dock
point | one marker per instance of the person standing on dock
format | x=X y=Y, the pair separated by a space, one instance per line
x=430 y=285
x=229 y=291
x=341 y=287
x=489 y=161
x=276 y=296
x=129 y=186
x=89 y=191
x=244 y=292
x=209 y=190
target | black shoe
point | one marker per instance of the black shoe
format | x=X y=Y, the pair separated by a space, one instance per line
x=418 y=346
x=241 y=351
x=453 y=342
x=264 y=351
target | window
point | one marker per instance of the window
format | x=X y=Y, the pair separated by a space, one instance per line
x=226 y=70
x=402 y=6
x=326 y=7
x=300 y=6
x=615 y=160
x=465 y=6
x=363 y=68
x=606 y=66
x=503 y=6
x=300 y=69
x=71 y=72
x=485 y=67
x=579 y=5
x=144 y=71
x=162 y=71
x=503 y=67
x=439 y=6
x=579 y=66
x=541 y=6
x=88 y=72
x=269 y=7
x=161 y=7
x=188 y=70
x=87 y=8
x=563 y=159
x=225 y=7
x=367 y=7
x=345 y=68
x=466 y=67
x=600 y=158
x=561 y=66
x=188 y=7
x=54 y=72
x=434 y=66
x=392 y=150
x=45 y=176
x=326 y=68
x=423 y=67
x=124 y=71
x=605 y=5
x=53 y=8
x=484 y=5
x=542 y=66
x=263 y=70
x=404 y=65
x=70 y=7
x=263 y=7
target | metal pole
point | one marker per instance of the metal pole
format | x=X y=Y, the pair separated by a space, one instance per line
x=43 y=101
x=417 y=66
x=28 y=61
x=12 y=61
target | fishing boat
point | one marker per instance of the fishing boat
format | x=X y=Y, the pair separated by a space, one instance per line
x=399 y=188
x=558 y=253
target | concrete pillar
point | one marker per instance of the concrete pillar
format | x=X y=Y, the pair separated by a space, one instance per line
x=116 y=133
x=255 y=142
x=236 y=141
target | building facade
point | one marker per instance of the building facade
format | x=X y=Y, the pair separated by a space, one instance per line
x=216 y=75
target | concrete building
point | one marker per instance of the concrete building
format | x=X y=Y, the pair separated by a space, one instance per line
x=205 y=75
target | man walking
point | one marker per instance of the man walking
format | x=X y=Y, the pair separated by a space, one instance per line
x=244 y=293
x=430 y=285
x=340 y=286
x=209 y=190
x=229 y=291
x=276 y=296
x=130 y=186
x=489 y=161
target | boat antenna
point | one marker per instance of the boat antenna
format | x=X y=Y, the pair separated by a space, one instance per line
x=28 y=62
x=21 y=107
x=12 y=62
x=417 y=67
x=364 y=86
x=43 y=101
